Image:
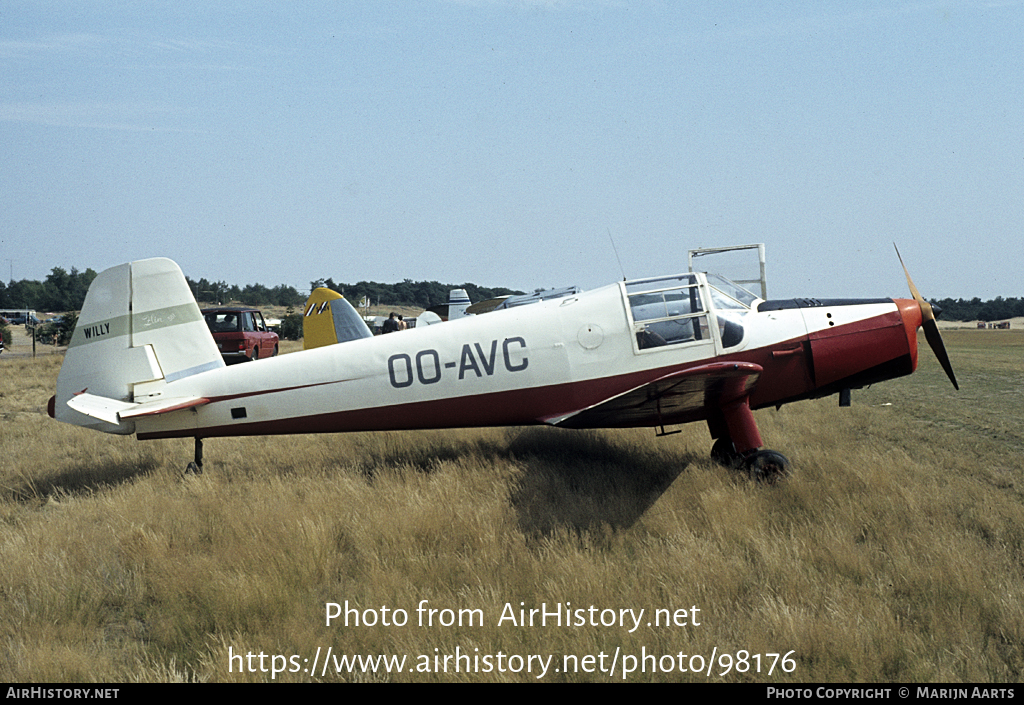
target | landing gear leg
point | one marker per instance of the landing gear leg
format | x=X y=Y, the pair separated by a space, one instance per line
x=724 y=452
x=739 y=444
x=196 y=466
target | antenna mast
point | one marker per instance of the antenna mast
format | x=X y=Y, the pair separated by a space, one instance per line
x=616 y=251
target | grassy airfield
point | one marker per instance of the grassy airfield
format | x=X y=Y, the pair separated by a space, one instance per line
x=895 y=553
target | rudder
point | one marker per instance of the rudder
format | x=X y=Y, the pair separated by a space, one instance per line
x=458 y=302
x=328 y=319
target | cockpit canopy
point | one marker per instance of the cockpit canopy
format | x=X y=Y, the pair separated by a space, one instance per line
x=673 y=311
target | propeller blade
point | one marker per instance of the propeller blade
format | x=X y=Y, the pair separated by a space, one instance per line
x=931 y=328
x=926 y=308
x=931 y=334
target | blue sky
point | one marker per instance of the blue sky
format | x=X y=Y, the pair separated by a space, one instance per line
x=502 y=141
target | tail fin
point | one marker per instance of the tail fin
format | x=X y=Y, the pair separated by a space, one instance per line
x=458 y=302
x=330 y=319
x=140 y=328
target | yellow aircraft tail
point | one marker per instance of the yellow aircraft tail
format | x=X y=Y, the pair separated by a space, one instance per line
x=328 y=319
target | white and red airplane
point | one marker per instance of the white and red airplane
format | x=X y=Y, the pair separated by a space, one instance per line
x=649 y=352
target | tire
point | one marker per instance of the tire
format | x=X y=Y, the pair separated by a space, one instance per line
x=768 y=467
x=255 y=354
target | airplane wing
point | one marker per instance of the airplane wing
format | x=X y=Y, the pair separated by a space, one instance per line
x=522 y=299
x=486 y=306
x=673 y=398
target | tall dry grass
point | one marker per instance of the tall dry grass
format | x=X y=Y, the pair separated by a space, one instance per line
x=895 y=553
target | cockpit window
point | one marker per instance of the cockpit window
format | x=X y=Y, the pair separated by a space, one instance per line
x=659 y=283
x=664 y=304
x=667 y=311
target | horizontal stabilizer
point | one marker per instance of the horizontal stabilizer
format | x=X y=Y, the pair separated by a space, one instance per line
x=113 y=411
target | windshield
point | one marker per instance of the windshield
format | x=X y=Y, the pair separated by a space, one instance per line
x=731 y=303
x=727 y=294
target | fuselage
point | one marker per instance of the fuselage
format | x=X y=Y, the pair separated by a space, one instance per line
x=535 y=363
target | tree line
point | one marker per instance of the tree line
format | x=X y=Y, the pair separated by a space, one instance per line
x=61 y=291
x=422 y=294
x=997 y=309
x=65 y=291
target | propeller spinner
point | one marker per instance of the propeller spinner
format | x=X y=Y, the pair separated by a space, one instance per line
x=931 y=328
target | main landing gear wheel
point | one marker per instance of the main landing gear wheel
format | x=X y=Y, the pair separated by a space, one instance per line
x=768 y=467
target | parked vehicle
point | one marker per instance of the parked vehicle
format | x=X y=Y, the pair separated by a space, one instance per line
x=24 y=320
x=241 y=333
x=19 y=316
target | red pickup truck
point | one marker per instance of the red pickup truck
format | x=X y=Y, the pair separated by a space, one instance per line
x=241 y=333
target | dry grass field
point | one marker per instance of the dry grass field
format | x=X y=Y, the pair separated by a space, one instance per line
x=895 y=553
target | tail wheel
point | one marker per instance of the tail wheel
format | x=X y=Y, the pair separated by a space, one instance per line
x=768 y=467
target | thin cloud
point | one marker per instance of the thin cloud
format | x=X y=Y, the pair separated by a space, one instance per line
x=90 y=115
x=74 y=42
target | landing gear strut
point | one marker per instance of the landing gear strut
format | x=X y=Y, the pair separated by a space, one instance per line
x=196 y=466
x=724 y=452
x=738 y=444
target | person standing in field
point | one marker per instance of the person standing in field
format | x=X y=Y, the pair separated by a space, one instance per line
x=391 y=325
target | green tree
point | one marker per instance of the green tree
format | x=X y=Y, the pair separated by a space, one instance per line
x=291 y=325
x=25 y=294
x=57 y=331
